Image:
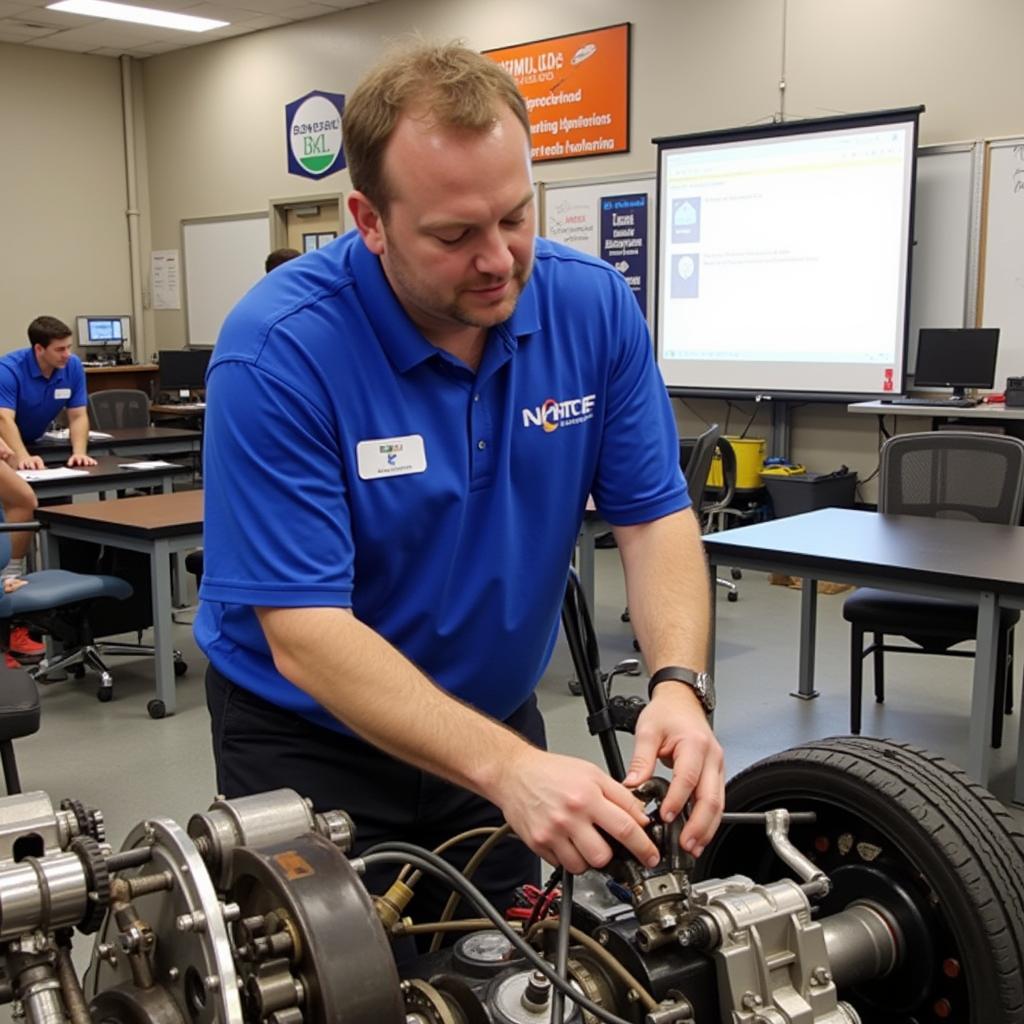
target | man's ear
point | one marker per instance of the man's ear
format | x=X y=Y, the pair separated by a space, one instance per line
x=368 y=221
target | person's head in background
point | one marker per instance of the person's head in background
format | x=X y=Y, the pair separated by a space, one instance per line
x=50 y=339
x=437 y=141
x=279 y=256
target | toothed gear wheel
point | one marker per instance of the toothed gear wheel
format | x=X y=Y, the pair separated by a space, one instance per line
x=97 y=879
x=89 y=820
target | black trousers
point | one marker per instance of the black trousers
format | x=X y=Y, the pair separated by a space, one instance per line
x=259 y=746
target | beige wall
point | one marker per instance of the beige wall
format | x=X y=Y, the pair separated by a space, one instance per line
x=62 y=181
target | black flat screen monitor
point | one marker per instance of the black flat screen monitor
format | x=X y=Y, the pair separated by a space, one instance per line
x=183 y=369
x=957 y=358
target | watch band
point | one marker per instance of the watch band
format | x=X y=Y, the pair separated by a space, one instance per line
x=699 y=682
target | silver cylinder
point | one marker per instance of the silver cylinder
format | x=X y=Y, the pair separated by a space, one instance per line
x=862 y=943
x=43 y=1004
x=42 y=894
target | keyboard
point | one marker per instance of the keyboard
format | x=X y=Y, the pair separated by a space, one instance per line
x=951 y=403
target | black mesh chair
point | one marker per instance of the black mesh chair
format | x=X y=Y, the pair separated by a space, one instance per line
x=117 y=408
x=949 y=475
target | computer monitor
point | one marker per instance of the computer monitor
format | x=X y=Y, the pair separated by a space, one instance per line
x=183 y=369
x=96 y=333
x=957 y=358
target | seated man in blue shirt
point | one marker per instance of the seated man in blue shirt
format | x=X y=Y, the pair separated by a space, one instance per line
x=35 y=385
x=402 y=431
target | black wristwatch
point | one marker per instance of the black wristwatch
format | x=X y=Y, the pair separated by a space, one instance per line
x=700 y=682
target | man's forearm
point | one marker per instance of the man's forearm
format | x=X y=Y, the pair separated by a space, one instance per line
x=12 y=437
x=379 y=694
x=667 y=588
x=78 y=431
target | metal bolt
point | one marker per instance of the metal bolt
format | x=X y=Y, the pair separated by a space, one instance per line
x=173 y=974
x=211 y=983
x=751 y=1000
x=602 y=936
x=231 y=911
x=194 y=922
x=820 y=976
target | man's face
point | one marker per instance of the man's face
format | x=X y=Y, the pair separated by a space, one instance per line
x=54 y=356
x=457 y=241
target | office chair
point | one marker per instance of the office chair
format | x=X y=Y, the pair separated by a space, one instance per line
x=19 y=716
x=713 y=512
x=943 y=474
x=118 y=407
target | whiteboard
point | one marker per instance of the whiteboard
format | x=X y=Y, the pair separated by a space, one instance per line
x=223 y=257
x=571 y=215
x=947 y=211
x=1002 y=295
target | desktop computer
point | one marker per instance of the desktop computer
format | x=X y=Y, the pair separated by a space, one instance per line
x=957 y=358
x=182 y=371
x=104 y=340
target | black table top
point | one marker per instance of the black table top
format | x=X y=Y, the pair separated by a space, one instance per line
x=840 y=541
x=122 y=437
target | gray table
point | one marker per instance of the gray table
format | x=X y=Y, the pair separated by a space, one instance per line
x=987 y=411
x=967 y=561
x=106 y=477
x=158 y=525
x=130 y=442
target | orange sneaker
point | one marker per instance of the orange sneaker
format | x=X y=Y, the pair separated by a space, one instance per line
x=23 y=647
x=10 y=661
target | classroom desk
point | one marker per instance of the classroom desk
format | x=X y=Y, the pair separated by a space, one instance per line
x=158 y=525
x=128 y=442
x=133 y=376
x=106 y=477
x=985 y=411
x=967 y=561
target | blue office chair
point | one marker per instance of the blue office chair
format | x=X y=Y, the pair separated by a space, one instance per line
x=56 y=602
x=944 y=474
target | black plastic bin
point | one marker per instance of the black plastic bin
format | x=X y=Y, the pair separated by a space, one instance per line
x=804 y=492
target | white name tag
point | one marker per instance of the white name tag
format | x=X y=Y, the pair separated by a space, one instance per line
x=62 y=392
x=391 y=456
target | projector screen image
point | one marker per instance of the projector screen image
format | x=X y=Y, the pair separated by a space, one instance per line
x=784 y=257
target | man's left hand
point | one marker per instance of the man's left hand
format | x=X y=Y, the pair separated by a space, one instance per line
x=81 y=460
x=675 y=729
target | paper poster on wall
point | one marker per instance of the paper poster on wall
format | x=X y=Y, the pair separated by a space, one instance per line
x=576 y=89
x=164 y=282
x=572 y=220
x=624 y=240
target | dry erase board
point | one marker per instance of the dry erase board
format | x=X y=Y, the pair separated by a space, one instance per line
x=1002 y=289
x=223 y=258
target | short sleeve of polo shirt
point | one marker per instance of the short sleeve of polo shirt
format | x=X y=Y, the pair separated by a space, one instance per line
x=76 y=382
x=638 y=476
x=277 y=529
x=8 y=387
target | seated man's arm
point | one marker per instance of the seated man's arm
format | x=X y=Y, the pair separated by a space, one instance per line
x=555 y=804
x=78 y=430
x=11 y=436
x=667 y=588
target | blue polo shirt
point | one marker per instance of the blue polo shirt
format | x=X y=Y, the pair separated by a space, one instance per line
x=35 y=399
x=351 y=463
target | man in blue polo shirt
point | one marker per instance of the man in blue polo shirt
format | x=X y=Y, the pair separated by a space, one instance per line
x=402 y=431
x=35 y=385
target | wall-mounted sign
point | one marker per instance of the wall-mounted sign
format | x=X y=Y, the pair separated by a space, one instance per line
x=577 y=90
x=313 y=134
x=624 y=240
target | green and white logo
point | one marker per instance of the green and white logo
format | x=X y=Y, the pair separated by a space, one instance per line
x=314 y=134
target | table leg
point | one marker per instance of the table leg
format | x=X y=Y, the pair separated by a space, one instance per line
x=163 y=637
x=808 y=637
x=979 y=756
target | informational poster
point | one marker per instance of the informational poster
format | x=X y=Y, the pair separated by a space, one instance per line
x=624 y=240
x=577 y=90
x=165 y=284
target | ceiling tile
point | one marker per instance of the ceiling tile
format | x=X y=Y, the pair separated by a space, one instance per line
x=7 y=9
x=10 y=32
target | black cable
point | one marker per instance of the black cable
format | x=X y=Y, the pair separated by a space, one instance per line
x=562 y=950
x=543 y=898
x=424 y=860
x=750 y=422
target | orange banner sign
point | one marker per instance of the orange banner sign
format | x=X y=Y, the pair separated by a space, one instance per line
x=577 y=91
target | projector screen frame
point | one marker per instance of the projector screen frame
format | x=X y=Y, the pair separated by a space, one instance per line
x=865 y=119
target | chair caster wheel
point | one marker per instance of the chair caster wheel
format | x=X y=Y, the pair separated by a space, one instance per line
x=180 y=668
x=574 y=688
x=105 y=694
x=156 y=709
x=736 y=574
x=624 y=617
x=732 y=597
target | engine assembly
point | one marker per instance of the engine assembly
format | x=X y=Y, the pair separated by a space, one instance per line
x=257 y=912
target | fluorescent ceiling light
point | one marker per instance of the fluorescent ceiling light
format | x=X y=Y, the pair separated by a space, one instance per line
x=139 y=15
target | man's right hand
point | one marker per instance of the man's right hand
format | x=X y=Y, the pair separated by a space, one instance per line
x=556 y=805
x=30 y=462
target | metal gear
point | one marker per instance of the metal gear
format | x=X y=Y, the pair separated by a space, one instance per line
x=97 y=879
x=89 y=820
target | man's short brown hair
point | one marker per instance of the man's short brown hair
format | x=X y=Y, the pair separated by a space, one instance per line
x=45 y=329
x=455 y=86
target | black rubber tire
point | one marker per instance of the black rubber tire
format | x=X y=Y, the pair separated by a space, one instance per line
x=180 y=668
x=732 y=596
x=736 y=574
x=947 y=841
x=105 y=694
x=156 y=708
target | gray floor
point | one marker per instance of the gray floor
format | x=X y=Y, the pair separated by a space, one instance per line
x=113 y=756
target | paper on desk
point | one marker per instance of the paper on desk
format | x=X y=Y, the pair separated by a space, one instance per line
x=153 y=464
x=34 y=476
x=63 y=434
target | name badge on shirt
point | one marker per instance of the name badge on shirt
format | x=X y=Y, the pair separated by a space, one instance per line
x=391 y=456
x=62 y=392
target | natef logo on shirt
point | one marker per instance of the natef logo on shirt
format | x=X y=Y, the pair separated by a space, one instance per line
x=552 y=413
